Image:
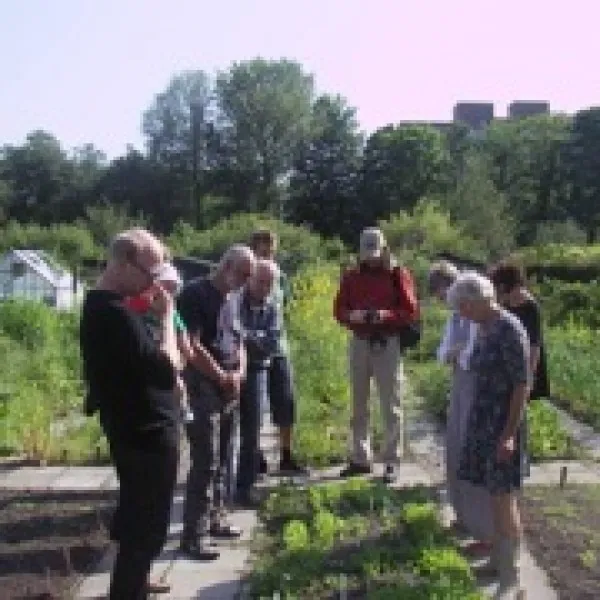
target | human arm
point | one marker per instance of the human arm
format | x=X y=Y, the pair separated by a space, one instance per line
x=406 y=306
x=515 y=352
x=343 y=312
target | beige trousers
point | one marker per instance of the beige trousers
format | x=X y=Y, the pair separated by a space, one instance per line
x=383 y=364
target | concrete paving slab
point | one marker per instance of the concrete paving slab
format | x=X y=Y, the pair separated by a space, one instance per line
x=31 y=478
x=549 y=473
x=84 y=478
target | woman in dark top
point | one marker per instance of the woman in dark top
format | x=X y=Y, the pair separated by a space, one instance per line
x=509 y=281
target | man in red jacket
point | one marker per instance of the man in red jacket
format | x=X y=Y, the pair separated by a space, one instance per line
x=374 y=301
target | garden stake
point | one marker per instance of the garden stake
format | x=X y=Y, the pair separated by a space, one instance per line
x=563 y=476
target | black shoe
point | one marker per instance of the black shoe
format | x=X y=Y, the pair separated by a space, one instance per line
x=289 y=465
x=263 y=467
x=354 y=469
x=198 y=549
x=389 y=475
x=224 y=531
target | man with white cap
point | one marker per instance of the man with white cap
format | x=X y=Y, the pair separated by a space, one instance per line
x=377 y=302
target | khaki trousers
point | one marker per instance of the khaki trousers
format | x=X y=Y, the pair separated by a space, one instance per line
x=382 y=362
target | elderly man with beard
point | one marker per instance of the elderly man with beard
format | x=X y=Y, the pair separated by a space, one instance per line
x=131 y=381
x=213 y=392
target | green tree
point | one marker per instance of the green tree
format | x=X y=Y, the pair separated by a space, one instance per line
x=482 y=211
x=401 y=165
x=41 y=178
x=266 y=111
x=323 y=186
x=527 y=162
x=582 y=155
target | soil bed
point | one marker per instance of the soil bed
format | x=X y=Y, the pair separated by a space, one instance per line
x=49 y=539
x=563 y=533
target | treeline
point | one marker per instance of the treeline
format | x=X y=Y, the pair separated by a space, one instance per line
x=258 y=139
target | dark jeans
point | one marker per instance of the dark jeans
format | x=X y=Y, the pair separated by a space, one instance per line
x=147 y=479
x=249 y=431
x=210 y=438
x=281 y=392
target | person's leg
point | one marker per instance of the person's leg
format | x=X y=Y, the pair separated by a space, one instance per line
x=249 y=434
x=219 y=525
x=387 y=370
x=507 y=543
x=148 y=480
x=360 y=376
x=281 y=395
x=194 y=540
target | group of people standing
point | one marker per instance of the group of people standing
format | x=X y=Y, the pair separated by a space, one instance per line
x=158 y=355
x=493 y=342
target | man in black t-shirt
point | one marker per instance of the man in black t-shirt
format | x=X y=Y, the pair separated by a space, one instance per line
x=212 y=392
x=131 y=382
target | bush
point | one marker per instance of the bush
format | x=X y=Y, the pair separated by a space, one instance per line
x=42 y=390
x=319 y=355
x=299 y=246
x=428 y=230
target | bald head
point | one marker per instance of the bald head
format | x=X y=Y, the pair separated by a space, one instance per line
x=260 y=285
x=135 y=257
x=236 y=266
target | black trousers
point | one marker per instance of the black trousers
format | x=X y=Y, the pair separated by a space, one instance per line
x=249 y=431
x=210 y=438
x=147 y=478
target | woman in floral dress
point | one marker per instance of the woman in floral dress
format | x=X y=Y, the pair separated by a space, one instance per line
x=493 y=453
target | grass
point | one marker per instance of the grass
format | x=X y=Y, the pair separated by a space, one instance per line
x=357 y=537
x=573 y=370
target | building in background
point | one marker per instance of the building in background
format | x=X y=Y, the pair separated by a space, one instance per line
x=476 y=115
x=33 y=275
x=521 y=109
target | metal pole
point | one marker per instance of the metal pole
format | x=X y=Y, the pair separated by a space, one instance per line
x=196 y=114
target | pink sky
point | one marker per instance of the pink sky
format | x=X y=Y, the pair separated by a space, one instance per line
x=86 y=70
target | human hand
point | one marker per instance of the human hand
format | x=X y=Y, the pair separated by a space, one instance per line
x=506 y=448
x=164 y=304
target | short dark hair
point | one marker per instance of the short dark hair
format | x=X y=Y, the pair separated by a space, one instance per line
x=507 y=276
x=263 y=236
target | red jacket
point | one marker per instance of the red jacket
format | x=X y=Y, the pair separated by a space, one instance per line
x=374 y=289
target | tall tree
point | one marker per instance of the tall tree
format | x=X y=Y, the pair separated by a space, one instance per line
x=266 y=107
x=167 y=124
x=40 y=176
x=323 y=187
x=401 y=165
x=527 y=158
x=583 y=158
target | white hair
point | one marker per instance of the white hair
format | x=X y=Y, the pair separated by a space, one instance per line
x=470 y=287
x=234 y=255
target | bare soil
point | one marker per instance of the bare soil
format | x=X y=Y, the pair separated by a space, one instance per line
x=563 y=533
x=48 y=540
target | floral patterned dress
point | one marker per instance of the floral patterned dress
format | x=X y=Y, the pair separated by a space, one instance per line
x=500 y=362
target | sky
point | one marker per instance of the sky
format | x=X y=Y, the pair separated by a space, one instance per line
x=85 y=71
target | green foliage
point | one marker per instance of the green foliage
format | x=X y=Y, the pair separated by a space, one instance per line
x=318 y=347
x=573 y=370
x=298 y=245
x=67 y=243
x=41 y=385
x=429 y=230
x=559 y=232
x=362 y=535
x=559 y=254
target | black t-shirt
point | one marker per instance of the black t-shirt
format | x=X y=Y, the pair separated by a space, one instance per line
x=530 y=316
x=199 y=305
x=130 y=380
